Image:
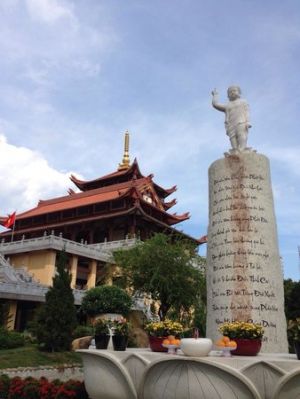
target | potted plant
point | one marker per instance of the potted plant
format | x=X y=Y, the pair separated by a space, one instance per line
x=106 y=299
x=102 y=333
x=294 y=334
x=159 y=330
x=248 y=336
x=120 y=329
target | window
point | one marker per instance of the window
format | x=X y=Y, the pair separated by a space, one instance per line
x=84 y=210
x=118 y=204
x=102 y=207
x=53 y=217
x=67 y=214
x=25 y=222
x=38 y=220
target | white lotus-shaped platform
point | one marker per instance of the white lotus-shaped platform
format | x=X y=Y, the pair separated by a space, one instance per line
x=142 y=374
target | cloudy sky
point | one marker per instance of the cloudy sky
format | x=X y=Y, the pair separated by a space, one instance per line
x=74 y=75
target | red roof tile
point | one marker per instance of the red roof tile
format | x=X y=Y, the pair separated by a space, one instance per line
x=89 y=197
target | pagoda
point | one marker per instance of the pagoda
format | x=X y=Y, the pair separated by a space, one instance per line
x=105 y=214
x=123 y=204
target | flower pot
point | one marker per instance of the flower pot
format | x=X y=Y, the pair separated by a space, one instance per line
x=247 y=347
x=120 y=342
x=156 y=344
x=101 y=341
x=297 y=349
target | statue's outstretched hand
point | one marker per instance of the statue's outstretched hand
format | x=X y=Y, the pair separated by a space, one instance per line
x=214 y=92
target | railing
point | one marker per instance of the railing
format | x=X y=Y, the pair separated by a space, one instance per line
x=111 y=245
x=57 y=243
x=7 y=272
x=31 y=291
x=100 y=251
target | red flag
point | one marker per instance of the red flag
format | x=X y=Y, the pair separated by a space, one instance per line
x=10 y=220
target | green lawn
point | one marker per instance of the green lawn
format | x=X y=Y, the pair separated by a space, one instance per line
x=30 y=356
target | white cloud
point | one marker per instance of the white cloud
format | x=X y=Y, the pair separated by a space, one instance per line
x=49 y=11
x=51 y=43
x=26 y=177
x=288 y=157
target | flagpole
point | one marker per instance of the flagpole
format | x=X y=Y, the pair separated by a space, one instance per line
x=13 y=229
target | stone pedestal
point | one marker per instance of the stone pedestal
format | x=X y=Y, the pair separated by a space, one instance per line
x=142 y=374
x=244 y=274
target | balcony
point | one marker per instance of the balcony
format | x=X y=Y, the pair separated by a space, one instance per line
x=101 y=251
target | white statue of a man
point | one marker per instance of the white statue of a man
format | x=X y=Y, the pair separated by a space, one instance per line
x=236 y=118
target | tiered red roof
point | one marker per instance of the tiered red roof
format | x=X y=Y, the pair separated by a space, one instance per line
x=133 y=189
x=127 y=192
x=132 y=173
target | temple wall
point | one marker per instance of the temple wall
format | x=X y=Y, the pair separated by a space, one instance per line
x=41 y=264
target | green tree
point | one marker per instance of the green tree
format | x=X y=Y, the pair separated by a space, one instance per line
x=56 y=319
x=106 y=299
x=166 y=268
x=292 y=298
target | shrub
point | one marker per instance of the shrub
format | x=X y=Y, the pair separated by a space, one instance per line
x=10 y=339
x=4 y=386
x=72 y=389
x=102 y=326
x=294 y=329
x=32 y=388
x=48 y=390
x=82 y=331
x=56 y=319
x=29 y=338
x=106 y=299
x=121 y=327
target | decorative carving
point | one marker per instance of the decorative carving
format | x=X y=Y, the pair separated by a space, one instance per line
x=136 y=366
x=142 y=374
x=193 y=379
x=265 y=376
x=106 y=377
x=288 y=387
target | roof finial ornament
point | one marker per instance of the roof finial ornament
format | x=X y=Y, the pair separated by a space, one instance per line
x=125 y=164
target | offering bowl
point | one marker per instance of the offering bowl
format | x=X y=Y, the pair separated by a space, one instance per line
x=198 y=347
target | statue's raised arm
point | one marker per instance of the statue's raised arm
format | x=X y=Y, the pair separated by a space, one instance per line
x=236 y=118
x=215 y=99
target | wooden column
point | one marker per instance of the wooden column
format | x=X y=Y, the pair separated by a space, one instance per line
x=91 y=280
x=73 y=270
x=12 y=315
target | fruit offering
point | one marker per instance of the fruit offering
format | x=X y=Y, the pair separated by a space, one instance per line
x=171 y=340
x=225 y=342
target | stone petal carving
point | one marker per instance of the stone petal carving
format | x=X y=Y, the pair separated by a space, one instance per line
x=264 y=376
x=182 y=379
x=135 y=365
x=120 y=375
x=105 y=377
x=289 y=387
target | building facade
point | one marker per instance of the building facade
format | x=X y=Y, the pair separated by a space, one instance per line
x=106 y=213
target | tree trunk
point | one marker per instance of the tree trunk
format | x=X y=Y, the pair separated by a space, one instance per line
x=163 y=310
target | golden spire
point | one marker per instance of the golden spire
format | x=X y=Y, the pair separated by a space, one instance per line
x=125 y=164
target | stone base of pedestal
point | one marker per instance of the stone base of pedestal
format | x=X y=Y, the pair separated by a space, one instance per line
x=138 y=373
